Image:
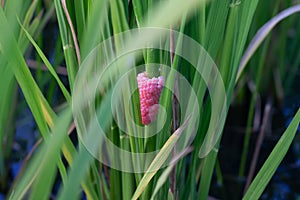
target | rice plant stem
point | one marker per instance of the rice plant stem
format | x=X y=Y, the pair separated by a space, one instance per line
x=63 y=2
x=259 y=141
x=69 y=52
x=220 y=179
x=152 y=54
x=247 y=135
x=254 y=87
x=207 y=172
x=175 y=114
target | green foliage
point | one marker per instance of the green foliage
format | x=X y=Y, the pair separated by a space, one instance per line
x=85 y=47
x=268 y=169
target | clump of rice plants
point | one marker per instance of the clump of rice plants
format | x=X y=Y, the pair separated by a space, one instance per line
x=135 y=99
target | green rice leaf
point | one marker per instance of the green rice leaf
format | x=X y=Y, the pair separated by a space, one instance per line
x=41 y=170
x=165 y=175
x=48 y=65
x=159 y=160
x=262 y=33
x=36 y=101
x=268 y=169
x=68 y=47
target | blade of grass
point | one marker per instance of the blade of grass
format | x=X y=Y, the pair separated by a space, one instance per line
x=229 y=42
x=128 y=185
x=28 y=16
x=139 y=10
x=215 y=26
x=245 y=18
x=268 y=169
x=34 y=97
x=74 y=36
x=171 y=8
x=168 y=13
x=70 y=55
x=7 y=88
x=254 y=98
x=266 y=119
x=45 y=175
x=159 y=160
x=165 y=175
x=12 y=9
x=262 y=34
x=80 y=14
x=43 y=161
x=215 y=32
x=119 y=22
x=83 y=158
x=39 y=106
x=96 y=18
x=42 y=112
x=245 y=15
x=48 y=65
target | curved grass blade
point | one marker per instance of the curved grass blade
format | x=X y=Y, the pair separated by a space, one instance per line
x=268 y=169
x=165 y=175
x=45 y=160
x=246 y=10
x=48 y=65
x=163 y=18
x=36 y=101
x=262 y=34
x=159 y=160
x=83 y=159
x=42 y=112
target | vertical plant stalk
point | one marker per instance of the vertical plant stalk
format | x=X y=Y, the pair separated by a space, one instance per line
x=247 y=134
x=152 y=54
x=64 y=5
x=254 y=87
x=175 y=115
x=159 y=160
x=174 y=59
x=152 y=71
x=260 y=139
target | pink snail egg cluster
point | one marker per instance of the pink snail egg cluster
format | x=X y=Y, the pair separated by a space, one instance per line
x=149 y=90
